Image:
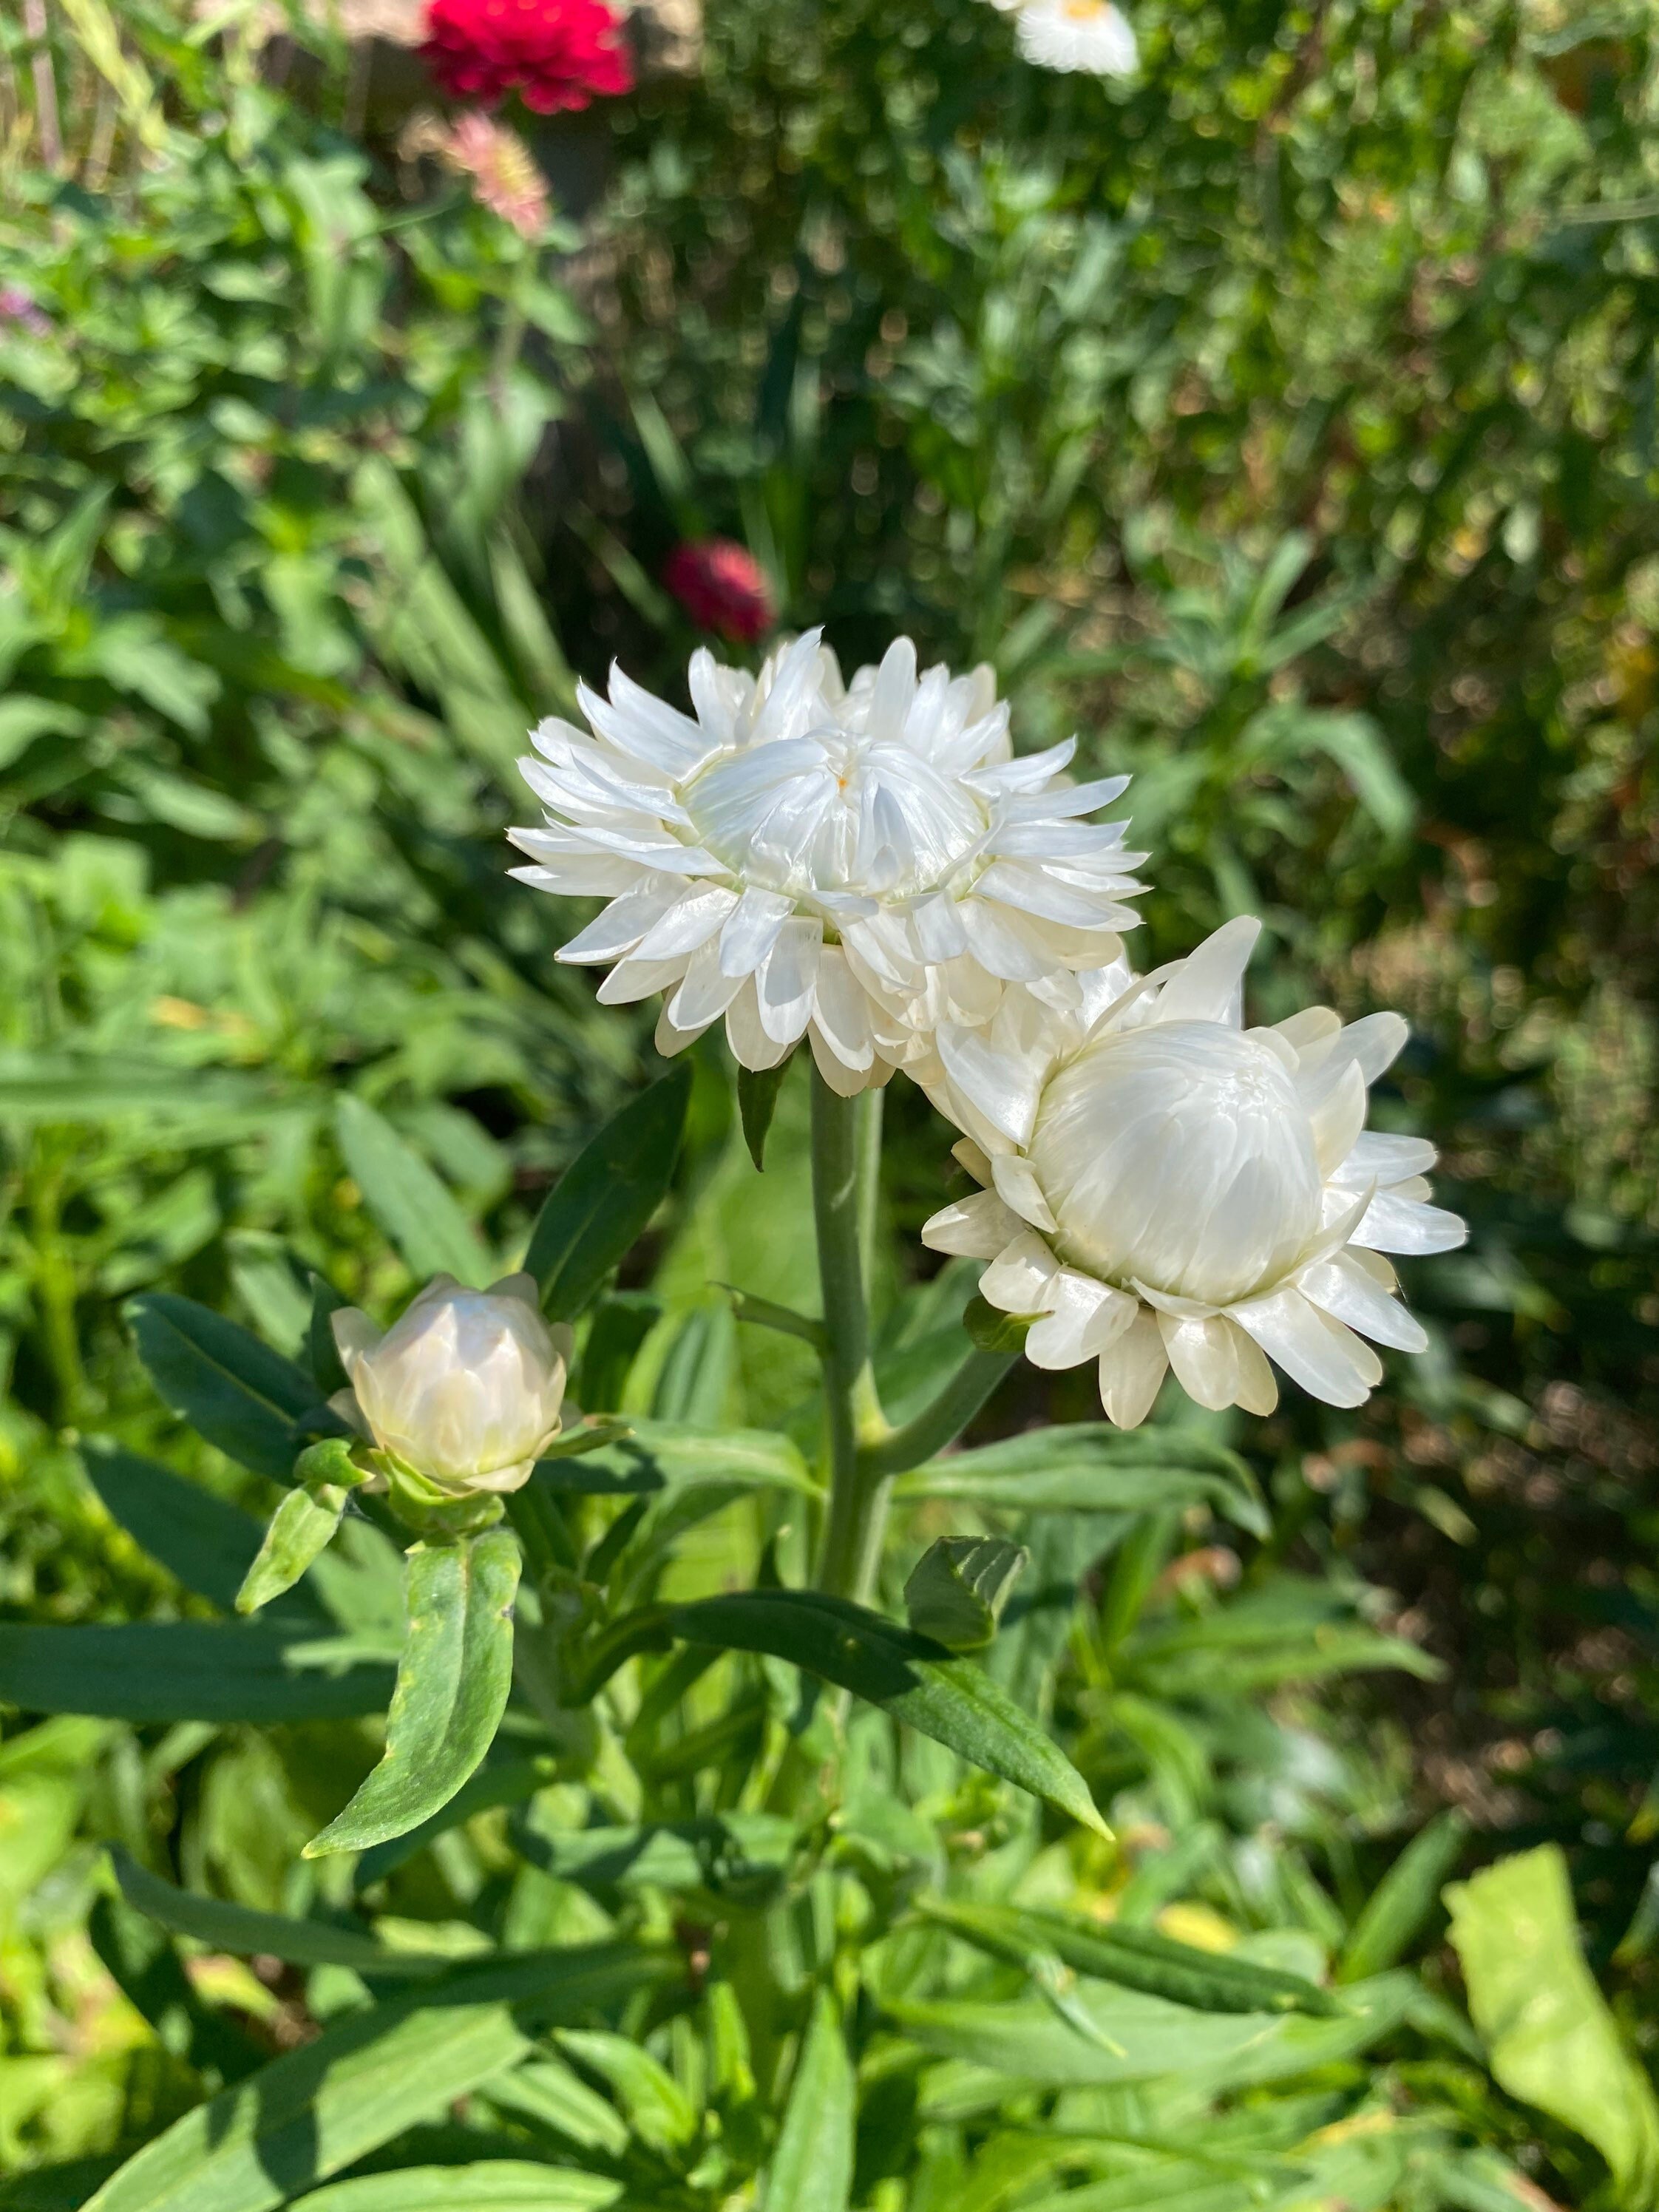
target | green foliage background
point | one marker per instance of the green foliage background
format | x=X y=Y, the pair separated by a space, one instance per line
x=1283 y=422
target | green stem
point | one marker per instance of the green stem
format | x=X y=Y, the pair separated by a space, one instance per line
x=845 y=1171
x=938 y=1423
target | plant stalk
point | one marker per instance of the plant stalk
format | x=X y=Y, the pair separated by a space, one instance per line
x=846 y=1178
x=940 y=1422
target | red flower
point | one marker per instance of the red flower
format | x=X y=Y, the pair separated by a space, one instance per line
x=555 y=53
x=723 y=589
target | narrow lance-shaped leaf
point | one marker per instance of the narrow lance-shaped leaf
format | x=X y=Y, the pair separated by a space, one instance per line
x=233 y=1390
x=1136 y=1959
x=958 y=1588
x=758 y=1102
x=363 y=2081
x=606 y=1196
x=495 y=2184
x=189 y=1670
x=812 y=2169
x=303 y=1523
x=452 y=1684
x=953 y=1700
x=409 y=1201
x=246 y=1933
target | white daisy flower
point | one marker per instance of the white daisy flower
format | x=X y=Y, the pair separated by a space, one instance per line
x=1077 y=35
x=1168 y=1188
x=851 y=863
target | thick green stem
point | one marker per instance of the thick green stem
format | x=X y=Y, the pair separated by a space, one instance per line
x=845 y=1169
x=939 y=1423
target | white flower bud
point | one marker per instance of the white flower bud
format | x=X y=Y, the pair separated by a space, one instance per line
x=1169 y=1190
x=465 y=1387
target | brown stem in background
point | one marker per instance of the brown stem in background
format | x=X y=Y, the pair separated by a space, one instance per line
x=46 y=86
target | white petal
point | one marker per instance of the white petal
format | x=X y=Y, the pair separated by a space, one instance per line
x=1017 y=1280
x=998 y=943
x=1003 y=1086
x=625 y=921
x=969 y=1156
x=689 y=925
x=1085 y=1318
x=751 y=930
x=1218 y=1365
x=1310 y=1026
x=1337 y=1119
x=976 y=1228
x=938 y=928
x=1326 y=1359
x=706 y=994
x=786 y=978
x=841 y=1011
x=895 y=687
x=1131 y=1371
x=669 y=1040
x=630 y=980
x=1209 y=985
x=750 y=1045
x=846 y=1082
x=1393 y=1224
x=1031 y=770
x=1016 y=1186
x=1384 y=1160
x=1345 y=1290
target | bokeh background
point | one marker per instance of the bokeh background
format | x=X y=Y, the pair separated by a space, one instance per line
x=1281 y=420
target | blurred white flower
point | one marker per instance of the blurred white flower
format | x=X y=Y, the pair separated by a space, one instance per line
x=853 y=863
x=1077 y=35
x=465 y=1387
x=1167 y=1188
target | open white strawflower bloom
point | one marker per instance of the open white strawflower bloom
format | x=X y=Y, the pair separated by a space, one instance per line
x=1089 y=35
x=465 y=1387
x=1168 y=1188
x=853 y=863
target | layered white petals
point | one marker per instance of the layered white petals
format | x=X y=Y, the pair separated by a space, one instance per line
x=1088 y=35
x=466 y=1387
x=1169 y=1190
x=868 y=856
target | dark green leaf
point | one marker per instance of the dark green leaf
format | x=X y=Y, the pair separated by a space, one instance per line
x=1090 y=1468
x=757 y=1101
x=233 y=1390
x=1137 y=1958
x=452 y=1684
x=953 y=1700
x=415 y=1207
x=247 y=1934
x=663 y=1456
x=189 y=1670
x=812 y=2169
x=364 y=2080
x=323 y=1353
x=726 y=1854
x=208 y=1543
x=658 y=2112
x=606 y=1197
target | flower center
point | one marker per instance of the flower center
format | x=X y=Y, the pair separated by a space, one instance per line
x=1178 y=1156
x=1086 y=11
x=833 y=812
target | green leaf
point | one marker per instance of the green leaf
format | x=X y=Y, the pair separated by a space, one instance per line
x=364 y=2080
x=958 y=1587
x=1089 y=1467
x=208 y=1543
x=495 y=2184
x=189 y=1670
x=303 y=1523
x=452 y=1684
x=245 y=1933
x=665 y=1456
x=953 y=1700
x=725 y=1854
x=1136 y=1959
x=757 y=1101
x=1551 y=2039
x=408 y=1200
x=606 y=1196
x=233 y=1390
x=658 y=2111
x=812 y=2169
x=499 y=1782
x=326 y=1367
x=1403 y=1900
x=990 y=1329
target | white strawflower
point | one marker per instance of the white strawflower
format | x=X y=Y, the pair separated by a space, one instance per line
x=464 y=1388
x=852 y=863
x=1167 y=1188
x=1077 y=35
